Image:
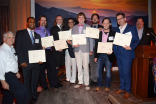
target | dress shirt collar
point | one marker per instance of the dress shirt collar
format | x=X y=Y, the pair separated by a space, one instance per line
x=59 y=26
x=95 y=25
x=8 y=47
x=123 y=28
x=30 y=30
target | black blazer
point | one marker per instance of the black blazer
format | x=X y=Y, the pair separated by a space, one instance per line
x=99 y=26
x=96 y=55
x=23 y=44
x=147 y=36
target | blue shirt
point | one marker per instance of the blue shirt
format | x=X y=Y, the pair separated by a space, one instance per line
x=41 y=31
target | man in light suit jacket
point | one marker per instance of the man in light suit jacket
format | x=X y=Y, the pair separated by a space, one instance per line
x=25 y=41
x=125 y=55
x=82 y=52
x=146 y=34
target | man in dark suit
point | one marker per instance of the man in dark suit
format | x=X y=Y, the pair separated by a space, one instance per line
x=125 y=55
x=106 y=35
x=146 y=35
x=93 y=76
x=27 y=40
x=59 y=55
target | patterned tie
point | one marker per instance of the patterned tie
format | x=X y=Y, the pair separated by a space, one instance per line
x=46 y=34
x=32 y=38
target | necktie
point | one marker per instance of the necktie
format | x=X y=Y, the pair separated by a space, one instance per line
x=32 y=38
x=94 y=26
x=80 y=25
x=46 y=34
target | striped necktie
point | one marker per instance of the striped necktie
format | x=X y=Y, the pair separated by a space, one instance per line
x=32 y=38
x=46 y=34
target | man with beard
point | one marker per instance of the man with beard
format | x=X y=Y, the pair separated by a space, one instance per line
x=50 y=64
x=125 y=54
x=146 y=35
x=27 y=40
x=93 y=75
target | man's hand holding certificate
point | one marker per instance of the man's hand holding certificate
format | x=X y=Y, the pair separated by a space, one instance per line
x=36 y=56
x=79 y=39
x=104 y=47
x=122 y=39
x=66 y=35
x=60 y=44
x=47 y=41
x=92 y=32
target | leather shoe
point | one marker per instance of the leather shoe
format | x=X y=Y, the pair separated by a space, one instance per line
x=119 y=91
x=126 y=95
x=46 y=89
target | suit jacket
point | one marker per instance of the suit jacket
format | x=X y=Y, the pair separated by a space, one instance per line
x=147 y=36
x=99 y=26
x=96 y=55
x=59 y=56
x=129 y=54
x=87 y=47
x=23 y=44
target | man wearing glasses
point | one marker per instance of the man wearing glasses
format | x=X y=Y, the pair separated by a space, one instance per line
x=125 y=55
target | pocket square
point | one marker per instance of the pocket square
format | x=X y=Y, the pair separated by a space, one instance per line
x=148 y=34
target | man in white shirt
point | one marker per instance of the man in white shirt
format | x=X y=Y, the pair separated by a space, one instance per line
x=9 y=72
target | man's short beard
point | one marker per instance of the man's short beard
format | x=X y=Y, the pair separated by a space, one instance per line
x=95 y=22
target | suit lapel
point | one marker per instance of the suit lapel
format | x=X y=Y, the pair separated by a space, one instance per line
x=28 y=36
x=100 y=37
x=84 y=28
x=143 y=34
x=126 y=29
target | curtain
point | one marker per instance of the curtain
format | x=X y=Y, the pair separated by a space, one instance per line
x=154 y=15
x=4 y=21
x=20 y=10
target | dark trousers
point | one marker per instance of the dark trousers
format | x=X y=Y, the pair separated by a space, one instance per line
x=16 y=89
x=125 y=73
x=31 y=76
x=104 y=61
x=50 y=65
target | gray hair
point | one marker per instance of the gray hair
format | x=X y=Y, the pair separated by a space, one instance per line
x=9 y=32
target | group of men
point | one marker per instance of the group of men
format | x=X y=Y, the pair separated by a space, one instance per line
x=75 y=55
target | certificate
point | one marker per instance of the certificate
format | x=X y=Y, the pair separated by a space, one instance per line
x=122 y=39
x=36 y=55
x=104 y=47
x=60 y=44
x=92 y=32
x=79 y=39
x=47 y=41
x=66 y=35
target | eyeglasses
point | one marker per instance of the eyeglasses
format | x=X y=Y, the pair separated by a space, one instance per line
x=120 y=19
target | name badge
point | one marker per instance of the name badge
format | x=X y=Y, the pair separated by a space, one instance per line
x=36 y=40
x=84 y=31
x=111 y=38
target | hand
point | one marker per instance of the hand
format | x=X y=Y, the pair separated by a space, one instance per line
x=5 y=85
x=127 y=47
x=95 y=59
x=40 y=62
x=75 y=46
x=69 y=42
x=24 y=65
x=44 y=47
x=100 y=29
x=109 y=53
x=60 y=50
x=18 y=75
x=91 y=53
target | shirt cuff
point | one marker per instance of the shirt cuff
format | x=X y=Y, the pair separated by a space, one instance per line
x=2 y=77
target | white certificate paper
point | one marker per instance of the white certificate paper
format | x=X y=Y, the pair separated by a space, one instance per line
x=92 y=32
x=79 y=39
x=122 y=39
x=104 y=47
x=36 y=55
x=47 y=41
x=66 y=35
x=60 y=44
